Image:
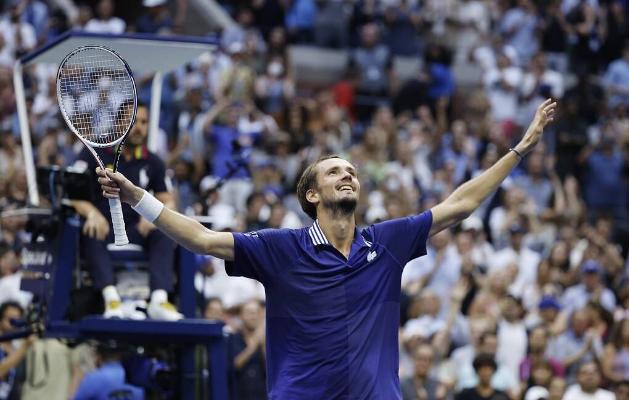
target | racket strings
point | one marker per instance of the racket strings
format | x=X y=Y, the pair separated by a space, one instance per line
x=97 y=95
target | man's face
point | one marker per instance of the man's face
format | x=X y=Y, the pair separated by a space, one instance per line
x=337 y=186
x=137 y=136
x=423 y=360
x=9 y=314
x=589 y=378
x=250 y=315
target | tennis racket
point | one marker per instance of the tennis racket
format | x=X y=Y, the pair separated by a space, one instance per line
x=98 y=101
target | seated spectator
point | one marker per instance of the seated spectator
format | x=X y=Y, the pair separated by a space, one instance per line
x=10 y=277
x=577 y=346
x=615 y=360
x=537 y=350
x=11 y=354
x=466 y=371
x=107 y=381
x=422 y=385
x=485 y=367
x=591 y=287
x=588 y=385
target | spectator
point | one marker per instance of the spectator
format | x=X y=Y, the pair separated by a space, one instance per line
x=19 y=35
x=485 y=367
x=157 y=18
x=615 y=359
x=616 y=78
x=105 y=21
x=577 y=346
x=108 y=378
x=591 y=288
x=588 y=385
x=519 y=25
x=421 y=385
x=537 y=350
x=374 y=64
x=466 y=368
x=247 y=354
x=300 y=19
x=10 y=354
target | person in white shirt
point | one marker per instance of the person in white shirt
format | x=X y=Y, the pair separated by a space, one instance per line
x=105 y=22
x=588 y=385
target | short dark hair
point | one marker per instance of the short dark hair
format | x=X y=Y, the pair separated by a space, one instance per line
x=9 y=304
x=307 y=181
x=484 y=360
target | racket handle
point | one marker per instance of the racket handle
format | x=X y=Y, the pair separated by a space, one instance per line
x=117 y=220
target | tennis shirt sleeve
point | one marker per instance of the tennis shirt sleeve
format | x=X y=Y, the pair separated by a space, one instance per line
x=261 y=254
x=405 y=238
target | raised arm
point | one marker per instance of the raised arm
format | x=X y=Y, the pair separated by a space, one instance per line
x=468 y=197
x=183 y=230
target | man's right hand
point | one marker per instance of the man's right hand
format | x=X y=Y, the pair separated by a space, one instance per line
x=96 y=226
x=115 y=185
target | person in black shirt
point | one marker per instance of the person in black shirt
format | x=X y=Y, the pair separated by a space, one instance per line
x=485 y=366
x=247 y=355
x=147 y=170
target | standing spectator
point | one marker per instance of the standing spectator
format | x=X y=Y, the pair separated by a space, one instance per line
x=485 y=367
x=502 y=84
x=374 y=65
x=247 y=354
x=512 y=338
x=105 y=21
x=519 y=25
x=19 y=35
x=535 y=184
x=616 y=80
x=588 y=386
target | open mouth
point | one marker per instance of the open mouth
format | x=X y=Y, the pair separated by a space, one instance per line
x=346 y=188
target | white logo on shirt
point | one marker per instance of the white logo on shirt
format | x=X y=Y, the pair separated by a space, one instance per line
x=371 y=255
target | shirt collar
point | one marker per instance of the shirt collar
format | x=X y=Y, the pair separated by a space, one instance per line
x=318 y=237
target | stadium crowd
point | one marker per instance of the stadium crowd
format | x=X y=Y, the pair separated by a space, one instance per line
x=526 y=299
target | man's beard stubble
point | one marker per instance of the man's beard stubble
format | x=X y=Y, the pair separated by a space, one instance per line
x=340 y=208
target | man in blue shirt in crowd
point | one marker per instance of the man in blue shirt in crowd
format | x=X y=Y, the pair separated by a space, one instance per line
x=332 y=290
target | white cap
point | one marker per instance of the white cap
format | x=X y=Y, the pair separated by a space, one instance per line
x=153 y=3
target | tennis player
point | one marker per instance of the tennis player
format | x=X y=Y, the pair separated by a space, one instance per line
x=332 y=290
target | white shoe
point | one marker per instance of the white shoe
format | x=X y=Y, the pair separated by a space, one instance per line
x=113 y=305
x=161 y=309
x=113 y=309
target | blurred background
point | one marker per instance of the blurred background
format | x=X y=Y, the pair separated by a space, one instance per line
x=420 y=95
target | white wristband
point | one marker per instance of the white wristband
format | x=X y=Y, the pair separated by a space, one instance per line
x=149 y=207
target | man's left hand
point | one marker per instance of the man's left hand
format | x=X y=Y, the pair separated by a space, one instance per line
x=544 y=115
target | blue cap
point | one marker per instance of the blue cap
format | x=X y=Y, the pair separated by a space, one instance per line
x=549 y=302
x=591 y=267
